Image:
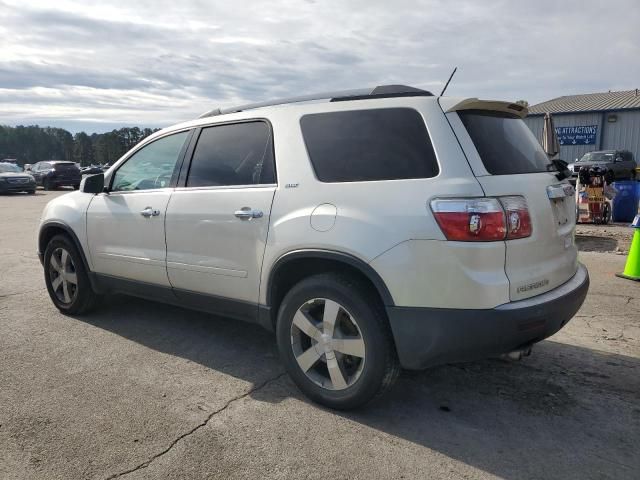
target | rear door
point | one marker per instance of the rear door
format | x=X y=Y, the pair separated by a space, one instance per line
x=626 y=165
x=507 y=160
x=217 y=221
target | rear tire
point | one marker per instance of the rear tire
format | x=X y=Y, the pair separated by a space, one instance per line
x=66 y=277
x=46 y=184
x=31 y=192
x=343 y=356
x=76 y=187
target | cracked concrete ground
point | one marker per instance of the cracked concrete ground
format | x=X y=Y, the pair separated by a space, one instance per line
x=140 y=390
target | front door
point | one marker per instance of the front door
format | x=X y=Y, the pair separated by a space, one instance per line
x=125 y=226
x=217 y=222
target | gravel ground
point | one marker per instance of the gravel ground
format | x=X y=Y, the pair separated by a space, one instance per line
x=614 y=238
x=146 y=391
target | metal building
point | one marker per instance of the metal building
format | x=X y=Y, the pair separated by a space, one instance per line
x=594 y=121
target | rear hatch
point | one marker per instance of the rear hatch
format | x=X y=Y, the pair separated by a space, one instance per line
x=507 y=159
x=66 y=170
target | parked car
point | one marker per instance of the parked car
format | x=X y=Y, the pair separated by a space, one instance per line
x=56 y=173
x=13 y=179
x=619 y=163
x=91 y=170
x=375 y=230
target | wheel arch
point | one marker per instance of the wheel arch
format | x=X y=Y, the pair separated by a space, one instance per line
x=293 y=266
x=50 y=229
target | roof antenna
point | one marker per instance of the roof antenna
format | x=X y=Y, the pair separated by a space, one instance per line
x=447 y=84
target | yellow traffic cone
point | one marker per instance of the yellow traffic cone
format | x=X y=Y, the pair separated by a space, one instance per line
x=632 y=267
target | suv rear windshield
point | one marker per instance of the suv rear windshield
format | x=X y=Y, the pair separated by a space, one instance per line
x=367 y=145
x=505 y=143
x=64 y=165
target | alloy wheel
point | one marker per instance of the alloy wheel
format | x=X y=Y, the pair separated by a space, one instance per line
x=62 y=275
x=327 y=344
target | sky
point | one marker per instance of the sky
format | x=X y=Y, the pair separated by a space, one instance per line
x=152 y=63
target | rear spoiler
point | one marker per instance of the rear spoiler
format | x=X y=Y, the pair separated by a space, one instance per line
x=491 y=105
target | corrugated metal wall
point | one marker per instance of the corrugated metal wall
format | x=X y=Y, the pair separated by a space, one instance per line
x=535 y=124
x=622 y=134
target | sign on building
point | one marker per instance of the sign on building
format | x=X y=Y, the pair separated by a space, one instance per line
x=582 y=135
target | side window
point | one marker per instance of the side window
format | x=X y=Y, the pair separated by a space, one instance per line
x=150 y=167
x=234 y=154
x=368 y=145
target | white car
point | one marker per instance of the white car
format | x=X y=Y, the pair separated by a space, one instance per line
x=371 y=230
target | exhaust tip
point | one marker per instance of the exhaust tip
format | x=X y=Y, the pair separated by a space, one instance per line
x=516 y=354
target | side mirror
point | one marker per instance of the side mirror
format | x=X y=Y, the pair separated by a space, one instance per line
x=92 y=183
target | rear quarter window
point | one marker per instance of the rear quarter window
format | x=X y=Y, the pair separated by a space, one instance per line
x=505 y=144
x=369 y=145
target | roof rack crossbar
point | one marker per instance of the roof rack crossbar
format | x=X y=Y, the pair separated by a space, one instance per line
x=381 y=91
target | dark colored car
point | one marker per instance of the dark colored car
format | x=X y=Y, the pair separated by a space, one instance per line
x=13 y=179
x=92 y=170
x=619 y=162
x=56 y=173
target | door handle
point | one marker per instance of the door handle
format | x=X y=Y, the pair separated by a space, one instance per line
x=150 y=212
x=247 y=213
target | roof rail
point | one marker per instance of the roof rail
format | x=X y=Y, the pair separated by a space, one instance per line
x=382 y=91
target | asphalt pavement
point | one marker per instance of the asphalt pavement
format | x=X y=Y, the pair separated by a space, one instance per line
x=144 y=390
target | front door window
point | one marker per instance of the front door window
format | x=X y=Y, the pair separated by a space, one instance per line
x=150 y=167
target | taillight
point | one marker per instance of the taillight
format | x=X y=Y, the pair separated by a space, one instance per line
x=517 y=217
x=470 y=219
x=482 y=219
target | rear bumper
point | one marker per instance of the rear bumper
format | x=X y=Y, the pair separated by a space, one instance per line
x=426 y=337
x=63 y=182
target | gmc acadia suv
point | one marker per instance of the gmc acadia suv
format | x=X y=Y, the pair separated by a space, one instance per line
x=378 y=229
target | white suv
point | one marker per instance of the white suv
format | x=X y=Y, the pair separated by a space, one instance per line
x=371 y=230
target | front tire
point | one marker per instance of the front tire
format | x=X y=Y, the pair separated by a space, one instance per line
x=335 y=341
x=46 y=184
x=66 y=277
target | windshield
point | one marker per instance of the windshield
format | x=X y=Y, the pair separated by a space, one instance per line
x=505 y=144
x=9 y=168
x=597 y=157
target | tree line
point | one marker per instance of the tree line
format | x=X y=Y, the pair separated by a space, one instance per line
x=31 y=144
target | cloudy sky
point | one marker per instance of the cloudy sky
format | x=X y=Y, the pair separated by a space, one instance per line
x=156 y=62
